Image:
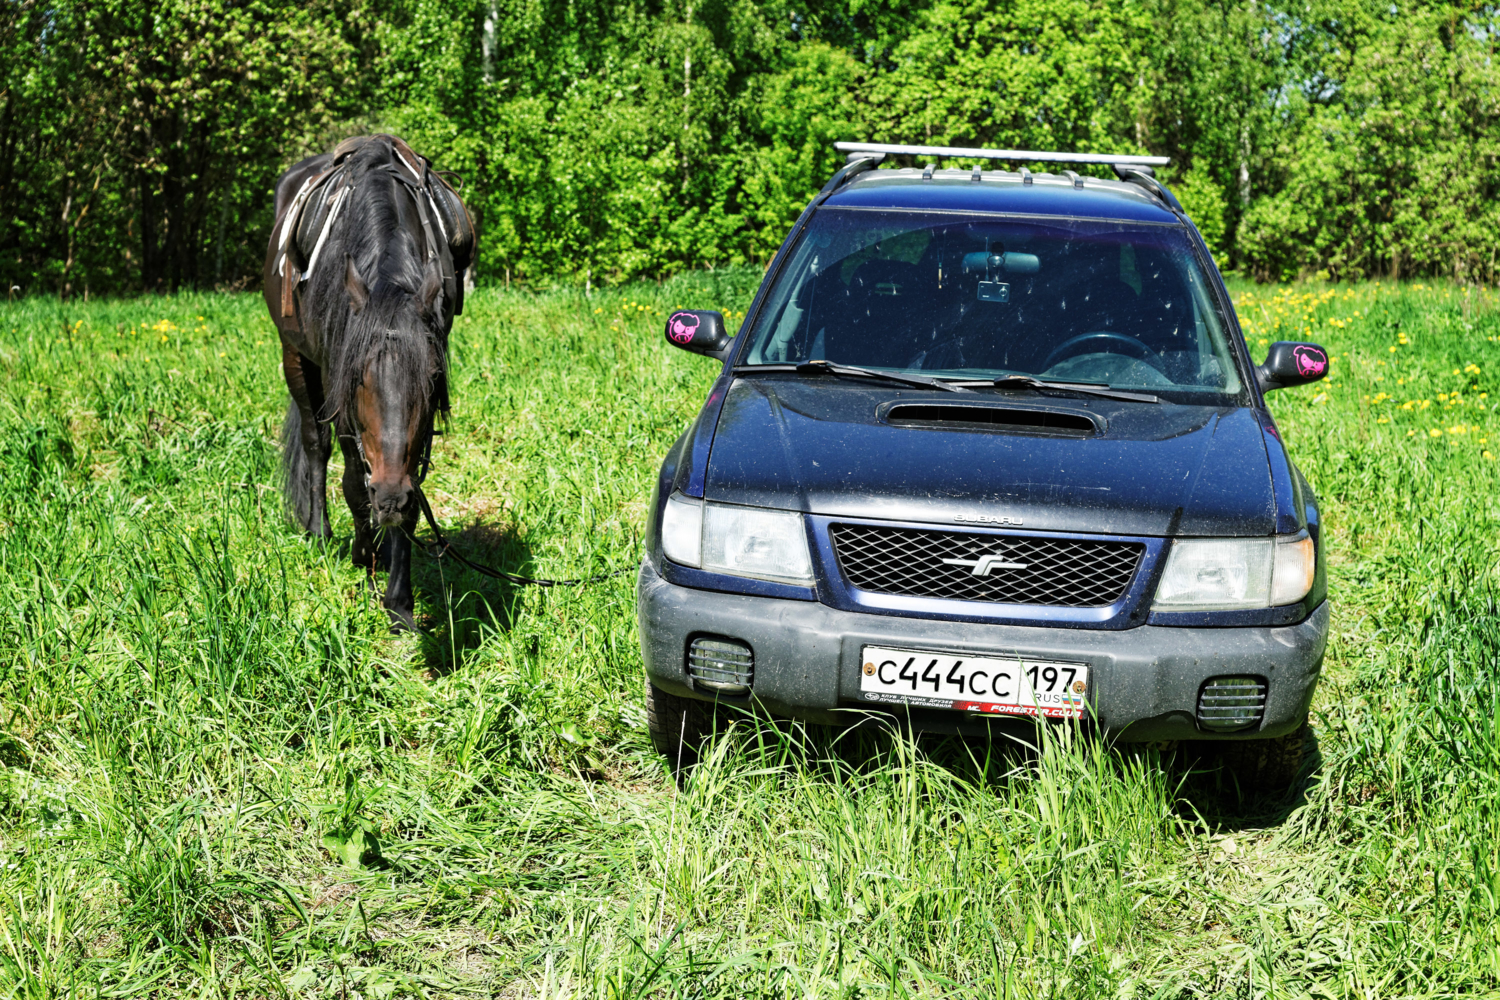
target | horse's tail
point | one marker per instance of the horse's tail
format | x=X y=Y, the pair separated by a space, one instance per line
x=296 y=469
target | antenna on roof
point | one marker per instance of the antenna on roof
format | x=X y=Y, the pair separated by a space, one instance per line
x=1034 y=156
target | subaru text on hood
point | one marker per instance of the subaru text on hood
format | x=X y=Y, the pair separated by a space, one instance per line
x=989 y=448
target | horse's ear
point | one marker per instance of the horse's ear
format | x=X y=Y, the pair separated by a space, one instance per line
x=359 y=294
x=432 y=284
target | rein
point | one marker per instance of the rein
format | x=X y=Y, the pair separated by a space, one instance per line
x=442 y=547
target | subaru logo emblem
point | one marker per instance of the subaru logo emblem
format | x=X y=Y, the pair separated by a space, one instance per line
x=985 y=565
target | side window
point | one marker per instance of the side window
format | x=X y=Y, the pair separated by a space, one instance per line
x=783 y=345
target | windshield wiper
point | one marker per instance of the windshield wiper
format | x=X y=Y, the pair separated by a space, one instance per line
x=828 y=368
x=1088 y=388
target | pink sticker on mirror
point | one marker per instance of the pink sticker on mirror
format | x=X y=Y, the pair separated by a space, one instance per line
x=682 y=326
x=1311 y=362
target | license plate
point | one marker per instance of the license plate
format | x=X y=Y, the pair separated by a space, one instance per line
x=985 y=684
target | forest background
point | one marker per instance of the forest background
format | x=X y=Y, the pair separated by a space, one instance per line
x=605 y=140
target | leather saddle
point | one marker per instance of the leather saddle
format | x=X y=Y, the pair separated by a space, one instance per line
x=447 y=228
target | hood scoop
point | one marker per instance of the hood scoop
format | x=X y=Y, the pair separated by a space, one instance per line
x=994 y=418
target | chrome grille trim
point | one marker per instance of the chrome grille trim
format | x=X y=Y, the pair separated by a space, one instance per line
x=1057 y=572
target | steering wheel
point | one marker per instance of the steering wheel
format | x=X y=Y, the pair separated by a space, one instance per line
x=1139 y=349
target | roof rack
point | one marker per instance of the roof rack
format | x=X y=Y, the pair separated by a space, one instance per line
x=1001 y=154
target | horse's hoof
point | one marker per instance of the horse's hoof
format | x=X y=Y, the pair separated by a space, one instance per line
x=401 y=621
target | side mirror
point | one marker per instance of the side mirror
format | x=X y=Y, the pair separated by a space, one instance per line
x=700 y=331
x=1290 y=363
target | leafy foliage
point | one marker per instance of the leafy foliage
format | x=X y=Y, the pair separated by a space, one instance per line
x=139 y=139
x=602 y=140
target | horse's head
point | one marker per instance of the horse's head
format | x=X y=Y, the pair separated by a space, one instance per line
x=396 y=377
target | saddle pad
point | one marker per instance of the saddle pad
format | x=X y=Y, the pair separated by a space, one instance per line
x=314 y=217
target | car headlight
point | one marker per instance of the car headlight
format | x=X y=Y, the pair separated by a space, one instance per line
x=1225 y=574
x=741 y=541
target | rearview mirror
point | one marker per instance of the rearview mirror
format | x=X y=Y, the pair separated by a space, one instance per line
x=700 y=331
x=1290 y=363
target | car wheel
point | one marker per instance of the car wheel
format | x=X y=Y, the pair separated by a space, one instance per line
x=1266 y=765
x=679 y=726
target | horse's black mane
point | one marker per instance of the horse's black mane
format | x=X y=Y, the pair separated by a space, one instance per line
x=379 y=232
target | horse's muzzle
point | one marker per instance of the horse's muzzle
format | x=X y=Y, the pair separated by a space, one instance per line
x=389 y=506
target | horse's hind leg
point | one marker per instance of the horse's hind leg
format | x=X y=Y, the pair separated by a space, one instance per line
x=306 y=444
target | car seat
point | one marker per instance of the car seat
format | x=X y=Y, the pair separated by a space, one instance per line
x=883 y=317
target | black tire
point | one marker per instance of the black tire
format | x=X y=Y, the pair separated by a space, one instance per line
x=679 y=727
x=1266 y=765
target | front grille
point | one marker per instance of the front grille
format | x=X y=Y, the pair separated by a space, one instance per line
x=1053 y=572
x=722 y=665
x=1227 y=704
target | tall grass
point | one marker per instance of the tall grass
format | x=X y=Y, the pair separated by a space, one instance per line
x=223 y=776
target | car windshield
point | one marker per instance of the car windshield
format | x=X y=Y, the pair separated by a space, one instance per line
x=970 y=297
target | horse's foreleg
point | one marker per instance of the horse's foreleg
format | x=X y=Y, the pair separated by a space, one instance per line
x=398 y=602
x=307 y=480
x=364 y=552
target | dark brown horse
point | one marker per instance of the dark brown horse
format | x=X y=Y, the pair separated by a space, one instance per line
x=363 y=277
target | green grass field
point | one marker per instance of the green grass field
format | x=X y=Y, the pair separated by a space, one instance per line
x=223 y=776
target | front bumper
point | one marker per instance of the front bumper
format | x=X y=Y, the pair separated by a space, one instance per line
x=1144 y=680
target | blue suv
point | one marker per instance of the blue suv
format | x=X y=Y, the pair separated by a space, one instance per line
x=988 y=449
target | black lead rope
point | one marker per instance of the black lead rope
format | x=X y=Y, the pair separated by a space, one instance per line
x=443 y=547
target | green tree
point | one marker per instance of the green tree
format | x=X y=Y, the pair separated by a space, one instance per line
x=1391 y=165
x=139 y=140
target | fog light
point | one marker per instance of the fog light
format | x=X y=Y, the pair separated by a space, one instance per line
x=1229 y=704
x=723 y=665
